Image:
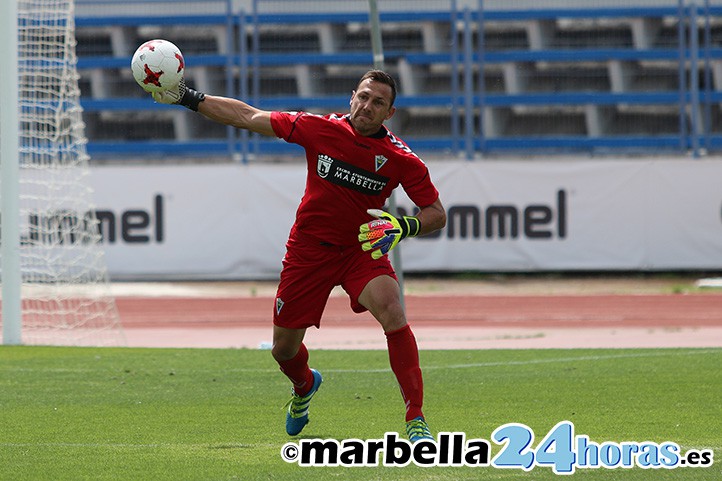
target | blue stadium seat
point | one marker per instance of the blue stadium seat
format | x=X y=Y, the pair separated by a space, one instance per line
x=534 y=81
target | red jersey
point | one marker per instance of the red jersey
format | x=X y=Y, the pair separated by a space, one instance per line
x=348 y=174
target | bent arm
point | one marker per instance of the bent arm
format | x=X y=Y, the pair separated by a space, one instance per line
x=236 y=113
x=432 y=218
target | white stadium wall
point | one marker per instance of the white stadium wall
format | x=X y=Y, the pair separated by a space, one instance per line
x=231 y=221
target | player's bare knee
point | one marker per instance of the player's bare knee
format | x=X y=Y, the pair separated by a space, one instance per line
x=392 y=319
x=394 y=325
x=283 y=351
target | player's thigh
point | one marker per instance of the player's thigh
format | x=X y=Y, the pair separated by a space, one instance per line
x=361 y=271
x=381 y=293
x=305 y=285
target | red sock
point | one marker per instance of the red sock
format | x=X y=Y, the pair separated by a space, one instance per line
x=296 y=369
x=404 y=359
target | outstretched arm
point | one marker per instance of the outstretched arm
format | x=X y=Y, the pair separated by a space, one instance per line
x=223 y=110
x=236 y=113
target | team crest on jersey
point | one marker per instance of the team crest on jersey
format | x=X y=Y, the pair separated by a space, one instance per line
x=380 y=160
x=279 y=305
x=323 y=167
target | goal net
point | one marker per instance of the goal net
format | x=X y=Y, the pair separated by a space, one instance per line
x=65 y=293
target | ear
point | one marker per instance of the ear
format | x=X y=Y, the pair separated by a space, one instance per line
x=353 y=94
x=391 y=113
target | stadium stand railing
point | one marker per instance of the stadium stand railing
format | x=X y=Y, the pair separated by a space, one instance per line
x=472 y=81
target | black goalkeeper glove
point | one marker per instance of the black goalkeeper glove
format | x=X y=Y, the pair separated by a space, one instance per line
x=180 y=95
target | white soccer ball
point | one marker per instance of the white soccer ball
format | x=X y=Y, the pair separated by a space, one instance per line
x=157 y=65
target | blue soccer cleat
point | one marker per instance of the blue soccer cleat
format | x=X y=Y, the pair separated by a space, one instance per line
x=418 y=430
x=297 y=416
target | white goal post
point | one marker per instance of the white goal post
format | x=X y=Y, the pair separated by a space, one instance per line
x=55 y=288
x=9 y=174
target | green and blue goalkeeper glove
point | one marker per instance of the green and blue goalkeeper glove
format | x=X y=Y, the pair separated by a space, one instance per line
x=382 y=235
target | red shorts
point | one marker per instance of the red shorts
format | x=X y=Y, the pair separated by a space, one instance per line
x=312 y=269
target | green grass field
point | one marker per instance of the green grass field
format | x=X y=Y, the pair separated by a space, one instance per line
x=196 y=414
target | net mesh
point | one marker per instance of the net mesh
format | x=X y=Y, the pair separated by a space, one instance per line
x=66 y=298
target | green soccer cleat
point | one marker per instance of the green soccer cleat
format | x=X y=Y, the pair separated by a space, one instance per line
x=418 y=430
x=297 y=416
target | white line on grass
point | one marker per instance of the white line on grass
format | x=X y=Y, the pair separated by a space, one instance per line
x=652 y=353
x=542 y=361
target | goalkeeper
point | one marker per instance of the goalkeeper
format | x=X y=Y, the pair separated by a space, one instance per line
x=340 y=235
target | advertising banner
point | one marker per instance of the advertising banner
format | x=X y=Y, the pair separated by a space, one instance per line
x=232 y=221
